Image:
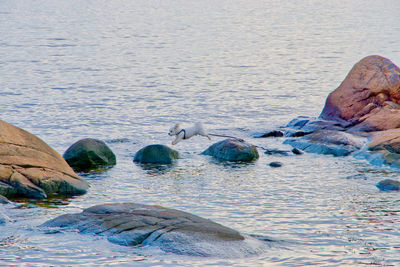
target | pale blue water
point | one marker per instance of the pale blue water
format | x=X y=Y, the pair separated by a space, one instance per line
x=126 y=71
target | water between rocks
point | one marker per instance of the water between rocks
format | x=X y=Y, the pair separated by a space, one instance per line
x=126 y=71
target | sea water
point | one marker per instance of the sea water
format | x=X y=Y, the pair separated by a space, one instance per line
x=126 y=71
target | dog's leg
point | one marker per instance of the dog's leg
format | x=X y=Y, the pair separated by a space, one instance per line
x=178 y=138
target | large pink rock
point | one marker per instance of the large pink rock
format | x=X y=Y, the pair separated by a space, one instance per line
x=369 y=96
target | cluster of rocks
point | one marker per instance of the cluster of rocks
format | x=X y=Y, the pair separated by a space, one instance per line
x=362 y=117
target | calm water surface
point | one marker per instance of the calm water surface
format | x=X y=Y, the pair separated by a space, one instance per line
x=126 y=71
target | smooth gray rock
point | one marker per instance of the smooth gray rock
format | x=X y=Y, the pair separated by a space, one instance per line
x=156 y=154
x=89 y=154
x=232 y=150
x=329 y=142
x=389 y=185
x=171 y=230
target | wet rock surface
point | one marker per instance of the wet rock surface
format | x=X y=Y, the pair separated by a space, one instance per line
x=232 y=150
x=156 y=154
x=329 y=142
x=89 y=154
x=169 y=229
x=30 y=168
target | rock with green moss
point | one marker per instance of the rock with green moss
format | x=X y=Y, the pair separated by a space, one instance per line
x=89 y=154
x=232 y=150
x=156 y=154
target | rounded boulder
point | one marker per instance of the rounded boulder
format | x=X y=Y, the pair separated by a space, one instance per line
x=232 y=150
x=89 y=154
x=156 y=154
x=369 y=97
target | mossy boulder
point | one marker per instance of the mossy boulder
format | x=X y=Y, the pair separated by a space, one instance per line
x=89 y=154
x=156 y=154
x=232 y=150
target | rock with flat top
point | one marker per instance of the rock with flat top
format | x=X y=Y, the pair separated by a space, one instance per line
x=170 y=230
x=31 y=168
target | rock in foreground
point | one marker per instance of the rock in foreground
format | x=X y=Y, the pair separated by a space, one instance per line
x=232 y=150
x=369 y=97
x=30 y=168
x=169 y=229
x=156 y=154
x=89 y=154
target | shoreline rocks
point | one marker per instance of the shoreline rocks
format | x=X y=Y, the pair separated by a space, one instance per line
x=89 y=154
x=232 y=150
x=369 y=97
x=31 y=168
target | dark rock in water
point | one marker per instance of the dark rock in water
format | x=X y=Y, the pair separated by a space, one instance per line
x=4 y=200
x=296 y=134
x=275 y=164
x=369 y=96
x=156 y=154
x=232 y=150
x=297 y=151
x=89 y=154
x=276 y=152
x=272 y=134
x=31 y=168
x=171 y=230
x=328 y=142
x=389 y=185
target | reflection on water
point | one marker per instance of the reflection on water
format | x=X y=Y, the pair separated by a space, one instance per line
x=124 y=72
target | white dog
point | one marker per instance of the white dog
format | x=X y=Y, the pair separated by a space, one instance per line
x=183 y=134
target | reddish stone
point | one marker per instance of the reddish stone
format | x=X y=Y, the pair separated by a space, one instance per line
x=369 y=96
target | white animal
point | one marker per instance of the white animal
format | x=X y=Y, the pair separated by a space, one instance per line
x=183 y=134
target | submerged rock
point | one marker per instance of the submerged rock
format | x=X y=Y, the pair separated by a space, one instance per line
x=328 y=142
x=276 y=164
x=30 y=168
x=274 y=133
x=156 y=154
x=232 y=150
x=369 y=97
x=89 y=154
x=171 y=230
x=389 y=185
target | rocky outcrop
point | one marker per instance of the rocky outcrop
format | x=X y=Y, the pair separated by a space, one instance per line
x=156 y=154
x=232 y=150
x=386 y=144
x=369 y=97
x=30 y=168
x=171 y=230
x=329 y=142
x=89 y=154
